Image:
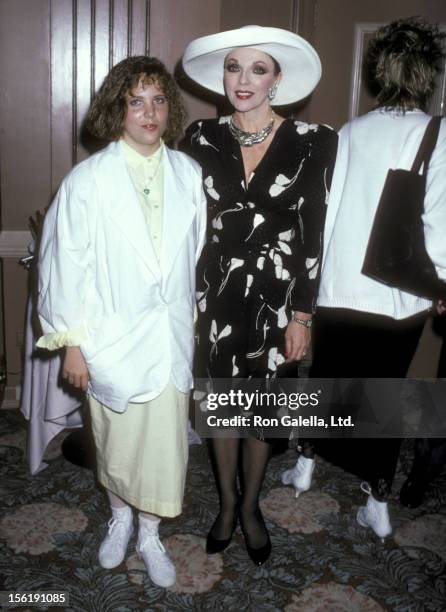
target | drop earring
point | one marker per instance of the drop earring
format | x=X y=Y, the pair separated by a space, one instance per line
x=272 y=91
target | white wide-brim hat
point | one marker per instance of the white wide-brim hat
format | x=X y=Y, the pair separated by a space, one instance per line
x=203 y=59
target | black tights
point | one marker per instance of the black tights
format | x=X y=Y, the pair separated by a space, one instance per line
x=249 y=457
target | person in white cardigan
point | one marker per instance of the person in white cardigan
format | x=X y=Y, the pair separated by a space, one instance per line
x=365 y=329
x=117 y=289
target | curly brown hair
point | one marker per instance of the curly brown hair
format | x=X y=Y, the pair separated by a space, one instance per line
x=107 y=111
x=402 y=62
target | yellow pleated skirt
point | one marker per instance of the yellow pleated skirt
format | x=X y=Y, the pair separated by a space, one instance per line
x=142 y=453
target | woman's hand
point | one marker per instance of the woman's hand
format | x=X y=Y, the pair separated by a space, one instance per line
x=74 y=368
x=297 y=341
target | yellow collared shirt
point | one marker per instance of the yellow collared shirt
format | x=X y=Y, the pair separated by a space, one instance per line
x=147 y=176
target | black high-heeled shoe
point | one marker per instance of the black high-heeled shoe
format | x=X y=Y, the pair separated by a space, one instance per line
x=214 y=545
x=257 y=555
x=413 y=491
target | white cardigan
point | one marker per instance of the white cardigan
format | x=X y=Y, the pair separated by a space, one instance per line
x=98 y=272
x=368 y=147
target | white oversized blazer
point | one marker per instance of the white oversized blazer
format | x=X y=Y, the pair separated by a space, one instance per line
x=98 y=273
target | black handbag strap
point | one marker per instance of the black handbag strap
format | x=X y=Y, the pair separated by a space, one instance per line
x=427 y=145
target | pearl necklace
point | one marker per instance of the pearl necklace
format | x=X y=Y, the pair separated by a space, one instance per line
x=248 y=139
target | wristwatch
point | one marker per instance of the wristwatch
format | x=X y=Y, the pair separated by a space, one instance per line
x=305 y=322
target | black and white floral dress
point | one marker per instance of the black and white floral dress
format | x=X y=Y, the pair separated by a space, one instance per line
x=264 y=243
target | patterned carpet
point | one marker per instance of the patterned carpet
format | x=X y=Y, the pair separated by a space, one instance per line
x=51 y=526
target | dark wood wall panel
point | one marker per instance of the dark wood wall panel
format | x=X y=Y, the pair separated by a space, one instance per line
x=283 y=14
x=140 y=27
x=101 y=41
x=25 y=167
x=83 y=60
x=121 y=34
x=63 y=126
x=173 y=23
x=88 y=37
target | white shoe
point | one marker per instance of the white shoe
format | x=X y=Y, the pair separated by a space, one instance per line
x=300 y=475
x=375 y=514
x=160 y=568
x=114 y=546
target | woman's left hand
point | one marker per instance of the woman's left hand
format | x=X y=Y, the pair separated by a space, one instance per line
x=297 y=341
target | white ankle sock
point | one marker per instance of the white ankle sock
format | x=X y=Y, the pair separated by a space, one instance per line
x=149 y=523
x=123 y=512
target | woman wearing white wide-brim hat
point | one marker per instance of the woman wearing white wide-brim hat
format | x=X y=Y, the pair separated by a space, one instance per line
x=266 y=180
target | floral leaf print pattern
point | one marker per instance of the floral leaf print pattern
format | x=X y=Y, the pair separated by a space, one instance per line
x=209 y=184
x=289 y=291
x=217 y=222
x=234 y=264
x=258 y=219
x=304 y=128
x=249 y=279
x=301 y=223
x=286 y=236
x=261 y=349
x=202 y=140
x=278 y=264
x=235 y=369
x=215 y=337
x=201 y=296
x=327 y=191
x=197 y=136
x=275 y=359
x=213 y=334
x=200 y=399
x=282 y=182
x=284 y=247
x=312 y=265
x=282 y=319
x=259 y=326
x=280 y=272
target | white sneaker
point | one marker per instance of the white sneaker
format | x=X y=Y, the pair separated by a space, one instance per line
x=300 y=475
x=114 y=546
x=375 y=514
x=160 y=568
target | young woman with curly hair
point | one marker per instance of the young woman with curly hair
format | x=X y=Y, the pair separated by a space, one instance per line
x=116 y=288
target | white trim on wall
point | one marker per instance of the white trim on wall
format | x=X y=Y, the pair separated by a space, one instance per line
x=358 y=51
x=14 y=244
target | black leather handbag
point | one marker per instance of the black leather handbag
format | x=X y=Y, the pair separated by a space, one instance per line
x=396 y=252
